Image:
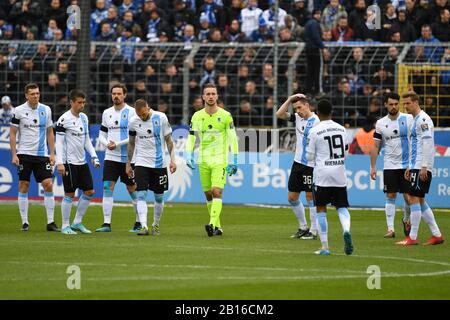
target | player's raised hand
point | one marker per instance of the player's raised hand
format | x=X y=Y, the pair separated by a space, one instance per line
x=15 y=161
x=61 y=169
x=373 y=173
x=297 y=95
x=111 y=145
x=172 y=167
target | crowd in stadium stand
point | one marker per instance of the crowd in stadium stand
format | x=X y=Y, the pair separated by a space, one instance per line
x=225 y=20
x=222 y=21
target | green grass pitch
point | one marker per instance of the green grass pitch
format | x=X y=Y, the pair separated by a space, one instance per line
x=254 y=259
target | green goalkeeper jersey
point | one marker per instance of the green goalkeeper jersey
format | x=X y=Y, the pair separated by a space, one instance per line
x=216 y=133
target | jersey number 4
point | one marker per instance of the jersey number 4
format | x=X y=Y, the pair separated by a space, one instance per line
x=336 y=145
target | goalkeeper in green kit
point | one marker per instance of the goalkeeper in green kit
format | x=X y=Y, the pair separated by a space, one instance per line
x=214 y=128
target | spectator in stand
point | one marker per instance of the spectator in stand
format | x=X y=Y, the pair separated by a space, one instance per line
x=367 y=31
x=418 y=15
x=155 y=25
x=262 y=34
x=234 y=11
x=286 y=35
x=405 y=27
x=215 y=36
x=294 y=28
x=435 y=11
x=391 y=61
x=127 y=21
x=357 y=16
x=6 y=112
x=214 y=13
x=226 y=91
x=388 y=20
x=51 y=27
x=204 y=30
x=128 y=6
x=342 y=32
x=269 y=16
x=252 y=95
x=432 y=53
x=54 y=94
x=441 y=28
x=100 y=13
x=375 y=108
x=247 y=115
x=189 y=37
x=56 y=12
x=394 y=36
x=383 y=79
x=180 y=10
x=112 y=19
x=331 y=14
x=234 y=33
x=209 y=72
x=250 y=17
x=300 y=12
x=26 y=12
x=197 y=104
x=145 y=16
x=140 y=92
x=125 y=44
x=178 y=28
x=106 y=34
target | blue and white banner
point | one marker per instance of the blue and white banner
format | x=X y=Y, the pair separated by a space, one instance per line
x=260 y=179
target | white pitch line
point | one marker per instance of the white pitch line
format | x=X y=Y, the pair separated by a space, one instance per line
x=235 y=278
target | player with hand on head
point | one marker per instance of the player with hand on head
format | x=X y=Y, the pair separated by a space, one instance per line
x=32 y=123
x=213 y=127
x=114 y=136
x=72 y=142
x=327 y=148
x=420 y=170
x=391 y=132
x=301 y=176
x=150 y=133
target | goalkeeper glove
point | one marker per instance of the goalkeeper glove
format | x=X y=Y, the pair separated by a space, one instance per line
x=190 y=162
x=232 y=168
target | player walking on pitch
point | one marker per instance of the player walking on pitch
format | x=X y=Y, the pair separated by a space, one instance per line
x=72 y=142
x=150 y=133
x=214 y=128
x=327 y=149
x=392 y=132
x=32 y=122
x=419 y=171
x=114 y=136
x=301 y=176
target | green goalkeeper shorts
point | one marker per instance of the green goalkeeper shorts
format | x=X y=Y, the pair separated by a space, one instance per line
x=214 y=175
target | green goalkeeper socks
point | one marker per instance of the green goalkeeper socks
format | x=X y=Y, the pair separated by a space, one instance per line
x=216 y=208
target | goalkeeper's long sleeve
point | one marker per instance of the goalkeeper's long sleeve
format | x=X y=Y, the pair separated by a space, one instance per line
x=190 y=144
x=232 y=139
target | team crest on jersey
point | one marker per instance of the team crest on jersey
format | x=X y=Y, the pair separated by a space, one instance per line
x=34 y=120
x=116 y=122
x=209 y=126
x=149 y=131
x=42 y=113
x=219 y=119
x=395 y=131
x=424 y=126
x=124 y=116
x=155 y=123
x=81 y=129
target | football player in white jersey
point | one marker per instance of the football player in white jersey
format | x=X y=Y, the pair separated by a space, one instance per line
x=114 y=136
x=150 y=133
x=301 y=176
x=391 y=132
x=32 y=124
x=327 y=149
x=72 y=142
x=420 y=170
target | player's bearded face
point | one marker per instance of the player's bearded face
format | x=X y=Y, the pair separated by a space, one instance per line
x=392 y=107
